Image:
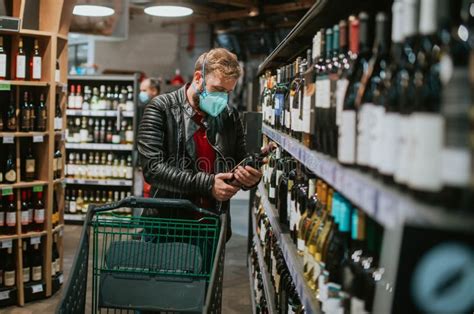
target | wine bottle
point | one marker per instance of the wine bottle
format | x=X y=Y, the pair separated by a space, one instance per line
x=9 y=269
x=30 y=165
x=10 y=215
x=11 y=122
x=57 y=73
x=58 y=115
x=71 y=100
x=295 y=99
x=391 y=130
x=36 y=62
x=25 y=114
x=3 y=61
x=10 y=167
x=26 y=273
x=24 y=216
x=405 y=84
x=370 y=99
x=39 y=211
x=320 y=69
x=20 y=72
x=2 y=217
x=36 y=264
x=41 y=115
x=333 y=73
x=56 y=257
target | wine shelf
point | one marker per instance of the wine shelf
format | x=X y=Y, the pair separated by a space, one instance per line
x=99 y=182
x=293 y=260
x=97 y=113
x=100 y=146
x=33 y=234
x=267 y=284
x=74 y=217
x=8 y=137
x=5 y=83
x=7 y=237
x=20 y=185
x=252 y=285
x=385 y=204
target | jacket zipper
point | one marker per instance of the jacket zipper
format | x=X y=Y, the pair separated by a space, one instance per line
x=222 y=155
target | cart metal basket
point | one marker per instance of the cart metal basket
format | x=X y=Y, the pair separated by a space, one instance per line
x=148 y=264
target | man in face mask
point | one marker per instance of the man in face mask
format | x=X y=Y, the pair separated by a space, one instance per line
x=149 y=89
x=190 y=139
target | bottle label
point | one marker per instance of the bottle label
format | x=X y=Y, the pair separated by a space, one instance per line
x=55 y=165
x=20 y=67
x=300 y=245
x=9 y=278
x=11 y=219
x=3 y=65
x=57 y=75
x=427 y=136
x=53 y=268
x=71 y=102
x=279 y=99
x=116 y=139
x=26 y=274
x=84 y=134
x=2 y=219
x=30 y=215
x=306 y=121
x=403 y=161
x=376 y=128
x=39 y=216
x=357 y=306
x=41 y=121
x=30 y=166
x=25 y=218
x=316 y=270
x=389 y=148
x=37 y=273
x=294 y=114
x=58 y=123
x=129 y=136
x=78 y=102
x=456 y=166
x=347 y=131
x=36 y=68
x=341 y=88
x=323 y=94
x=287 y=119
x=58 y=265
x=129 y=173
x=364 y=127
x=72 y=207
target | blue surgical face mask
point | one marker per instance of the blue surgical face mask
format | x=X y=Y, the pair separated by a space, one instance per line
x=212 y=103
x=143 y=96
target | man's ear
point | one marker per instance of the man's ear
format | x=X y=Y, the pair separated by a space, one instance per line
x=197 y=80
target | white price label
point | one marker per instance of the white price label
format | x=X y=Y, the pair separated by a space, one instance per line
x=61 y=232
x=35 y=240
x=61 y=279
x=37 y=288
x=5 y=244
x=5 y=295
x=38 y=139
x=8 y=139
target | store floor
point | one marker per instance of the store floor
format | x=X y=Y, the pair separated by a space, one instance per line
x=236 y=298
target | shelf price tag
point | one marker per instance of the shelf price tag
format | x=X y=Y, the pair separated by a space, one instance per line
x=38 y=139
x=37 y=288
x=5 y=244
x=7 y=191
x=8 y=139
x=38 y=188
x=35 y=240
x=5 y=295
x=5 y=86
x=61 y=278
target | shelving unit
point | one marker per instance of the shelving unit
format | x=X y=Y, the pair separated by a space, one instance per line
x=267 y=284
x=293 y=260
x=95 y=81
x=252 y=284
x=53 y=17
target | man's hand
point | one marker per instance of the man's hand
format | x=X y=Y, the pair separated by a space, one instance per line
x=222 y=191
x=247 y=176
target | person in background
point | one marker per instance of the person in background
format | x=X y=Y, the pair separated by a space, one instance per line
x=189 y=140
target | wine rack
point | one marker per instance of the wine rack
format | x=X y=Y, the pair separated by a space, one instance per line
x=405 y=215
x=52 y=22
x=76 y=111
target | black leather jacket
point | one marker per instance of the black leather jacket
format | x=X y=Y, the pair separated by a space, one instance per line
x=167 y=153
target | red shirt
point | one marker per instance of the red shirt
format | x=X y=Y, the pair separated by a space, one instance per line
x=205 y=157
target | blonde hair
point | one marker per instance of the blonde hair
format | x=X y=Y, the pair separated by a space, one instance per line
x=221 y=61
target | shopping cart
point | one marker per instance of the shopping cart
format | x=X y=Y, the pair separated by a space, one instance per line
x=148 y=264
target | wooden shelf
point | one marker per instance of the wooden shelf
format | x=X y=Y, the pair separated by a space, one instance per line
x=24 y=134
x=20 y=185
x=33 y=234
x=62 y=37
x=35 y=33
x=25 y=83
x=8 y=237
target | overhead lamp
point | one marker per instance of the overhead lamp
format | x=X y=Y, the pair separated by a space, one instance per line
x=92 y=10
x=168 y=11
x=253 y=12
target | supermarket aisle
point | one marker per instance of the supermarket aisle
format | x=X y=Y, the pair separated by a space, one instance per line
x=236 y=286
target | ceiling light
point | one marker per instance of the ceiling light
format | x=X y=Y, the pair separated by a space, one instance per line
x=253 y=11
x=168 y=10
x=92 y=10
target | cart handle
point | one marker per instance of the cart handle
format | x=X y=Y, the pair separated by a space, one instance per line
x=158 y=203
